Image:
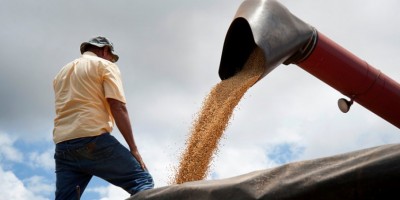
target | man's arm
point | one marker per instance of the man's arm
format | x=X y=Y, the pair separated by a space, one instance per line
x=121 y=117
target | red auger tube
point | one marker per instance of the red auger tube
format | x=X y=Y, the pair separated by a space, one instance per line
x=354 y=78
x=284 y=38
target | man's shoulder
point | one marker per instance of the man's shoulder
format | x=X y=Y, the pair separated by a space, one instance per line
x=66 y=67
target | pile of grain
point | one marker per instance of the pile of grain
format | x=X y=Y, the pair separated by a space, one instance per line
x=213 y=119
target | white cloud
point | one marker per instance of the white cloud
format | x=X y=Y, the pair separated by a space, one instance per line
x=39 y=185
x=34 y=187
x=42 y=160
x=7 y=150
x=36 y=159
x=101 y=190
x=233 y=161
x=109 y=192
x=13 y=188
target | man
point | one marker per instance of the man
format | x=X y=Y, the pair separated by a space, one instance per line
x=89 y=98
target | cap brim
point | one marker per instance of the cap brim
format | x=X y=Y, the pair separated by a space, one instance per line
x=84 y=44
x=115 y=57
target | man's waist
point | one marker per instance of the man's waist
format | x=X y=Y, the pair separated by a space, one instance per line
x=78 y=142
x=65 y=133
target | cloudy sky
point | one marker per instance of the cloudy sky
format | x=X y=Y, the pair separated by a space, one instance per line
x=169 y=57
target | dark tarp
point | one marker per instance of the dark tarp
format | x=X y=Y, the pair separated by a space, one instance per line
x=372 y=173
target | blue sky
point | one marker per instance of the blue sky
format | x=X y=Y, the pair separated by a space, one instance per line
x=169 y=58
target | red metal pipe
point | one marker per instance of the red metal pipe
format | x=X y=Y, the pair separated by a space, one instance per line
x=284 y=38
x=354 y=78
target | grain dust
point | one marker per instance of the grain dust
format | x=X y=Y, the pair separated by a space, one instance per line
x=213 y=119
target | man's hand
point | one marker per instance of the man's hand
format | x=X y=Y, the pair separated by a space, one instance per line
x=121 y=117
x=139 y=159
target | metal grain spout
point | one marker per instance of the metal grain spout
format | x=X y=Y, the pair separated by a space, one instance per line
x=284 y=38
x=266 y=24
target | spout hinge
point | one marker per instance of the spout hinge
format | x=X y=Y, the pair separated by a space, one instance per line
x=304 y=51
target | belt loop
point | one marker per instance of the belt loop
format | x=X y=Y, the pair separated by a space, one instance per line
x=78 y=192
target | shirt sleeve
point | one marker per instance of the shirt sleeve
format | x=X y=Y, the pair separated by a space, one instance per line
x=112 y=83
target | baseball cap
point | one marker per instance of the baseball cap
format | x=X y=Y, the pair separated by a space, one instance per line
x=100 y=42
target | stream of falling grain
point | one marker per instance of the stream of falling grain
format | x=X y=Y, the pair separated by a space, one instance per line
x=213 y=119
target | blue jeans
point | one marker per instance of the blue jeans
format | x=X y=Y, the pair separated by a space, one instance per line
x=102 y=156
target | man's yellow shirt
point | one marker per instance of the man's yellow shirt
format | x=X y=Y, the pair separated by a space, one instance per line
x=81 y=90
